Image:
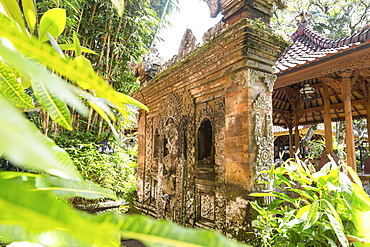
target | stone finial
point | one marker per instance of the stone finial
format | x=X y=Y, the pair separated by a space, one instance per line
x=188 y=44
x=214 y=7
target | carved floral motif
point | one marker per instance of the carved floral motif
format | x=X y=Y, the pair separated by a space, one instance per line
x=262 y=103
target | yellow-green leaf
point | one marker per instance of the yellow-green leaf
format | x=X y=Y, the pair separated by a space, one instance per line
x=23 y=144
x=10 y=88
x=53 y=22
x=84 y=63
x=57 y=109
x=129 y=100
x=29 y=12
x=46 y=55
x=13 y=11
x=77 y=44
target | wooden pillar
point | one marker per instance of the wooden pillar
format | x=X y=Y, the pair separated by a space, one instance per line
x=327 y=122
x=368 y=111
x=291 y=150
x=296 y=131
x=350 y=140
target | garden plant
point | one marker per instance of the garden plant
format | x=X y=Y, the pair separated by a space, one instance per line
x=32 y=205
x=328 y=207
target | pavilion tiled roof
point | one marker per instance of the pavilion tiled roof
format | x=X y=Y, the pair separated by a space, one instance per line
x=308 y=45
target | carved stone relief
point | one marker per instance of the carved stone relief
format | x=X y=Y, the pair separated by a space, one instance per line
x=263 y=137
x=207 y=203
x=249 y=78
x=262 y=103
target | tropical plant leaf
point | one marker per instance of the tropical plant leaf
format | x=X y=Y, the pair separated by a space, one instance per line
x=10 y=88
x=303 y=210
x=120 y=5
x=360 y=199
x=12 y=9
x=129 y=100
x=312 y=215
x=53 y=21
x=36 y=216
x=338 y=229
x=353 y=175
x=29 y=12
x=77 y=44
x=71 y=47
x=362 y=224
x=165 y=233
x=57 y=109
x=23 y=144
x=47 y=55
x=33 y=71
x=61 y=187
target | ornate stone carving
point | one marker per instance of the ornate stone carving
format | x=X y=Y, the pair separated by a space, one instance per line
x=214 y=7
x=207 y=206
x=264 y=142
x=269 y=80
x=246 y=78
x=262 y=103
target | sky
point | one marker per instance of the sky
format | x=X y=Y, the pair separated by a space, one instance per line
x=194 y=14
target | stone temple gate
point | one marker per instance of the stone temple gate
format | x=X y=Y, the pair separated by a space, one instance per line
x=209 y=130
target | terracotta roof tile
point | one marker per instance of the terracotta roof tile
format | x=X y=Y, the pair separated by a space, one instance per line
x=308 y=45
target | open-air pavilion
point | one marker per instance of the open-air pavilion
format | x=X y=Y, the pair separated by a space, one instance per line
x=320 y=80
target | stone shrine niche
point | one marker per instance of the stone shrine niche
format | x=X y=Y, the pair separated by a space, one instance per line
x=210 y=120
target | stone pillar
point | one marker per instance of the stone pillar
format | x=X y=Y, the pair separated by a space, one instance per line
x=141 y=155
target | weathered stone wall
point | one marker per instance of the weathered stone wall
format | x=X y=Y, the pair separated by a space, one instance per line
x=209 y=131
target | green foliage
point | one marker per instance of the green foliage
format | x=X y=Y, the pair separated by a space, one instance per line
x=29 y=204
x=313 y=208
x=333 y=18
x=114 y=171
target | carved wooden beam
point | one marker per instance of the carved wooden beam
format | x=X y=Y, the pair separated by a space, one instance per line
x=293 y=96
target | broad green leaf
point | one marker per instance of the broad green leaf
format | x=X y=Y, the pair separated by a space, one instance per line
x=33 y=71
x=84 y=63
x=129 y=100
x=165 y=234
x=333 y=211
x=77 y=44
x=362 y=224
x=353 y=175
x=53 y=21
x=120 y=5
x=61 y=187
x=303 y=210
x=29 y=12
x=10 y=88
x=46 y=55
x=312 y=215
x=36 y=216
x=57 y=109
x=13 y=11
x=346 y=188
x=338 y=229
x=70 y=188
x=71 y=47
x=23 y=144
x=360 y=199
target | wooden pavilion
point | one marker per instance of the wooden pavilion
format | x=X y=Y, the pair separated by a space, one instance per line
x=321 y=80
